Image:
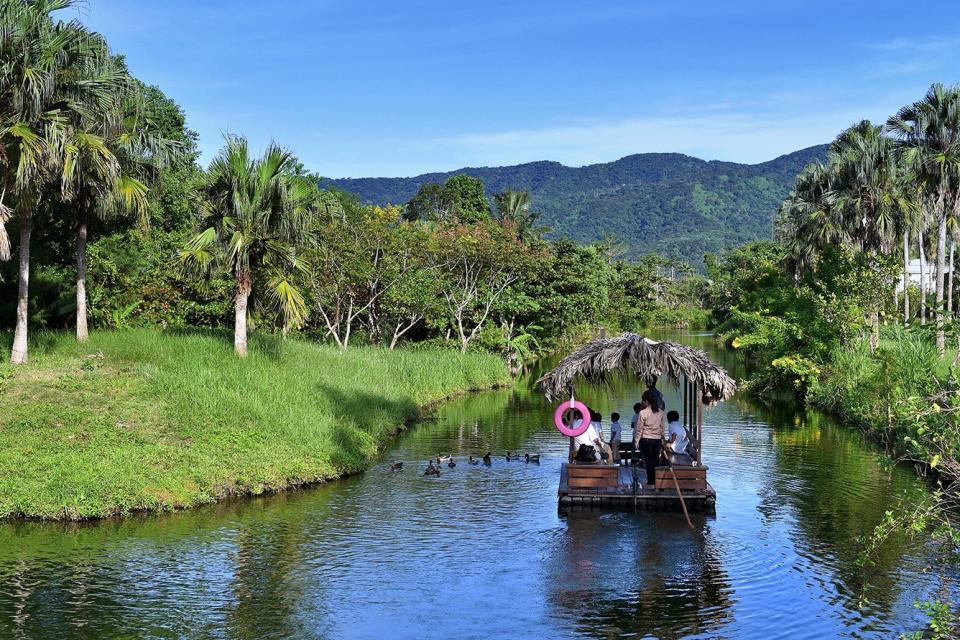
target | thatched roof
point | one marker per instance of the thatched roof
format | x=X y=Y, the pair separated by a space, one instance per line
x=596 y=361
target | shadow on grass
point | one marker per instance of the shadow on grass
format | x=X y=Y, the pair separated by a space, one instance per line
x=362 y=423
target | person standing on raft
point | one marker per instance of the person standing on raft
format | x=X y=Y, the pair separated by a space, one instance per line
x=648 y=439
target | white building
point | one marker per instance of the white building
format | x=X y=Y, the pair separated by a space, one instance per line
x=913 y=273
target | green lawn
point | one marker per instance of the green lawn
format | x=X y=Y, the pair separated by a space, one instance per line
x=140 y=419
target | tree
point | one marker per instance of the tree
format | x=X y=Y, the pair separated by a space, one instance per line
x=514 y=208
x=928 y=132
x=808 y=219
x=478 y=263
x=358 y=260
x=107 y=164
x=869 y=193
x=461 y=198
x=470 y=201
x=51 y=77
x=432 y=202
x=257 y=218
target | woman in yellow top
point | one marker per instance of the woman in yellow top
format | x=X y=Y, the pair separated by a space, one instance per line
x=648 y=437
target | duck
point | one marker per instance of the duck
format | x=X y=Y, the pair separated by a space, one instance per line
x=486 y=459
x=396 y=466
x=531 y=458
x=511 y=457
x=441 y=459
x=431 y=470
x=473 y=460
x=452 y=463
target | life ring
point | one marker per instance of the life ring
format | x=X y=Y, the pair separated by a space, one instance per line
x=572 y=432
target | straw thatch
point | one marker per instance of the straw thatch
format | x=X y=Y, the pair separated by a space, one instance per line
x=596 y=361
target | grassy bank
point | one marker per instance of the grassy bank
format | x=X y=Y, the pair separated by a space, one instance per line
x=139 y=420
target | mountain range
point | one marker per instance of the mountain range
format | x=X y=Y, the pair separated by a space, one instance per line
x=666 y=203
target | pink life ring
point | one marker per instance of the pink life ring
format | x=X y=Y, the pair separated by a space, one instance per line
x=571 y=431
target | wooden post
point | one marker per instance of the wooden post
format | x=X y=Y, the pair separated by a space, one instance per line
x=699 y=426
x=686 y=387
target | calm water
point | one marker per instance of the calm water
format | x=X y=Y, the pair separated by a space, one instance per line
x=483 y=552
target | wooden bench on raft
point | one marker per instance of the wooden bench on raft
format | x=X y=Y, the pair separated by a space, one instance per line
x=590 y=476
x=689 y=478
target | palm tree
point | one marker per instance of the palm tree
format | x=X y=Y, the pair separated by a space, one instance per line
x=257 y=215
x=928 y=132
x=105 y=168
x=869 y=193
x=515 y=207
x=45 y=86
x=809 y=219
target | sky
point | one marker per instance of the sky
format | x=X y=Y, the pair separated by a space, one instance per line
x=362 y=88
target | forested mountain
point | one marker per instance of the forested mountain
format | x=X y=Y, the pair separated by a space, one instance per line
x=667 y=203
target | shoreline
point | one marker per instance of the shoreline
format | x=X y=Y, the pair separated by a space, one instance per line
x=141 y=422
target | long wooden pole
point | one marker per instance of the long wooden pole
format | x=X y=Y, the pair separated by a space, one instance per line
x=676 y=483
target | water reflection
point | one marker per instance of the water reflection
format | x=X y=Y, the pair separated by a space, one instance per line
x=482 y=552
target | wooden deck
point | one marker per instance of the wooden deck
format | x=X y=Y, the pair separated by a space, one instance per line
x=622 y=487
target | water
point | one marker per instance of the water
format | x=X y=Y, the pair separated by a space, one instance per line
x=483 y=552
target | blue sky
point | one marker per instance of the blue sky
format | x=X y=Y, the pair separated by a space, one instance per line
x=371 y=88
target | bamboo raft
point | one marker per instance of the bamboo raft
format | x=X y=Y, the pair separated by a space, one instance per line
x=594 y=485
x=680 y=485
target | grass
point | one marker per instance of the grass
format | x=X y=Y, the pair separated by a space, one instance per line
x=143 y=420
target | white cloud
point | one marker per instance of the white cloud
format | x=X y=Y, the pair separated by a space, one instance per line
x=735 y=137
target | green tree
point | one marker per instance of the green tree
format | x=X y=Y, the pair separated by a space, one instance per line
x=470 y=201
x=257 y=218
x=514 y=208
x=433 y=202
x=53 y=73
x=928 y=133
x=107 y=164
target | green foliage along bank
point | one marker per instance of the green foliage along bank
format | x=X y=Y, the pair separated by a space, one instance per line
x=146 y=420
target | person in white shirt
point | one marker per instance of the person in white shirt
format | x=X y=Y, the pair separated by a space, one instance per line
x=616 y=434
x=677 y=439
x=593 y=436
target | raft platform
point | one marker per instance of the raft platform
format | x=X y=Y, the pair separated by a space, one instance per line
x=610 y=486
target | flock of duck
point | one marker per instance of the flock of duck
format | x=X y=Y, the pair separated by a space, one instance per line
x=450 y=461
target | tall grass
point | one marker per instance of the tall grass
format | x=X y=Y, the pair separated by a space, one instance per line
x=868 y=389
x=140 y=419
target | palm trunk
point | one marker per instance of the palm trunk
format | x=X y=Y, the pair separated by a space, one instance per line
x=244 y=285
x=18 y=354
x=923 y=281
x=906 y=279
x=82 y=333
x=950 y=285
x=941 y=263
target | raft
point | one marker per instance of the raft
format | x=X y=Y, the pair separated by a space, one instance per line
x=701 y=382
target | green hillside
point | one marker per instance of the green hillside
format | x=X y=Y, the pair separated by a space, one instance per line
x=668 y=203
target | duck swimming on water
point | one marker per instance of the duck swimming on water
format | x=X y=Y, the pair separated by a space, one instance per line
x=531 y=458
x=486 y=459
x=431 y=470
x=396 y=466
x=441 y=459
x=452 y=463
x=511 y=458
x=473 y=460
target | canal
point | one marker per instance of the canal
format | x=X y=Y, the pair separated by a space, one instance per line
x=482 y=552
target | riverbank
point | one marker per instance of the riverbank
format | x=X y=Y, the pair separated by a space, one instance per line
x=142 y=420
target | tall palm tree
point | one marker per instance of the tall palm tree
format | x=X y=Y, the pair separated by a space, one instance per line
x=257 y=215
x=869 y=193
x=515 y=207
x=809 y=219
x=45 y=85
x=928 y=132
x=106 y=165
